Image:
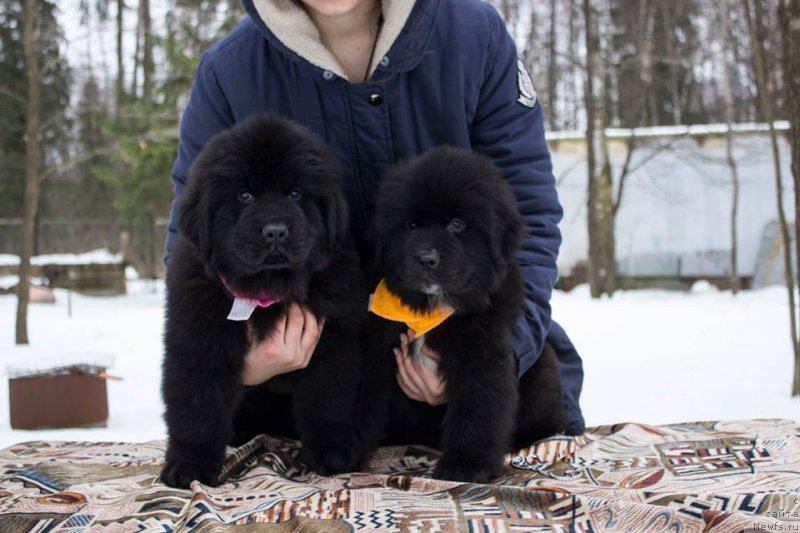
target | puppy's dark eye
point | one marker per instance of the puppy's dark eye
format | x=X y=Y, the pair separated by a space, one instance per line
x=411 y=225
x=295 y=194
x=456 y=226
x=246 y=197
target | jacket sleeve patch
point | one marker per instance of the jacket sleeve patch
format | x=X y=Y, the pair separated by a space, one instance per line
x=527 y=93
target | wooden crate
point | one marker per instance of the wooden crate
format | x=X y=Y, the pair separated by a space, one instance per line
x=69 y=397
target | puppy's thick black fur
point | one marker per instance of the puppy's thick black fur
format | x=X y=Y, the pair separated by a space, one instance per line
x=263 y=211
x=446 y=230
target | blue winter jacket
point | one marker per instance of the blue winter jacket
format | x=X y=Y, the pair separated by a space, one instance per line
x=450 y=77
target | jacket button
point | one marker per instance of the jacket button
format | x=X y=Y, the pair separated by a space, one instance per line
x=328 y=75
x=375 y=99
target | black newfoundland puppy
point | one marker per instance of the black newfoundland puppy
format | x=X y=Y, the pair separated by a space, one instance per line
x=446 y=230
x=262 y=224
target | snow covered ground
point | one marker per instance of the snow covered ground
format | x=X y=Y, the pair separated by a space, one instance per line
x=660 y=357
x=650 y=356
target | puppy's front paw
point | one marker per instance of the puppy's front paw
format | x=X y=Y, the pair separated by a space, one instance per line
x=181 y=473
x=333 y=457
x=469 y=473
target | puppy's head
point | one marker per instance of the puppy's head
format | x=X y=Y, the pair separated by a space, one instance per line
x=446 y=229
x=263 y=206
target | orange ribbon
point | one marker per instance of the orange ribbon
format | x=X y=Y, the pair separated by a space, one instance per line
x=387 y=305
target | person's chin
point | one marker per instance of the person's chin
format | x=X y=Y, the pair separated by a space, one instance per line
x=333 y=8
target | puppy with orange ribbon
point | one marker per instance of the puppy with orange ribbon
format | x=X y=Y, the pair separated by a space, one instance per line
x=447 y=293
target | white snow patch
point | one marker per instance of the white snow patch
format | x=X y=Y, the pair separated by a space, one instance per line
x=102 y=256
x=650 y=356
x=45 y=363
x=131 y=274
x=703 y=286
x=662 y=357
x=673 y=131
x=9 y=282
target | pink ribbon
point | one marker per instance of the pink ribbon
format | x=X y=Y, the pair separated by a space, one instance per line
x=243 y=306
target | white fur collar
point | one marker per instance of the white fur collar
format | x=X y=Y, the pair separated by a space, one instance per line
x=292 y=26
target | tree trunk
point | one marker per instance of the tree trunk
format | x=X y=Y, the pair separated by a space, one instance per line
x=729 y=118
x=551 y=68
x=600 y=201
x=574 y=40
x=734 y=280
x=137 y=56
x=32 y=159
x=148 y=64
x=594 y=282
x=674 y=71
x=765 y=99
x=645 y=51
x=789 y=16
x=151 y=254
x=120 y=81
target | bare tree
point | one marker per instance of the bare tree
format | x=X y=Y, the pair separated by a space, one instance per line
x=600 y=208
x=148 y=63
x=765 y=99
x=575 y=68
x=727 y=83
x=143 y=60
x=552 y=66
x=137 y=53
x=120 y=81
x=789 y=15
x=33 y=133
x=647 y=19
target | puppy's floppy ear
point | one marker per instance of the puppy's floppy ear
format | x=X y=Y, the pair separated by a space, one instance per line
x=508 y=226
x=376 y=245
x=194 y=217
x=336 y=219
x=318 y=160
x=392 y=194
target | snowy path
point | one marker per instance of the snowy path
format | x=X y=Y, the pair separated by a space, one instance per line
x=650 y=356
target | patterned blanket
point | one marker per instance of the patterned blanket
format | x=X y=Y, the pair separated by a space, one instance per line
x=705 y=476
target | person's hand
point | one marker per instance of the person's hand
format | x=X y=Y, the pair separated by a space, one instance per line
x=288 y=348
x=419 y=381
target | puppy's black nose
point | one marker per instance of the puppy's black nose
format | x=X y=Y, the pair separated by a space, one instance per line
x=275 y=232
x=428 y=258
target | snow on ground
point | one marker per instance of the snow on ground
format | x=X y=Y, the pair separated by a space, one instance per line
x=101 y=256
x=660 y=357
x=673 y=131
x=650 y=356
